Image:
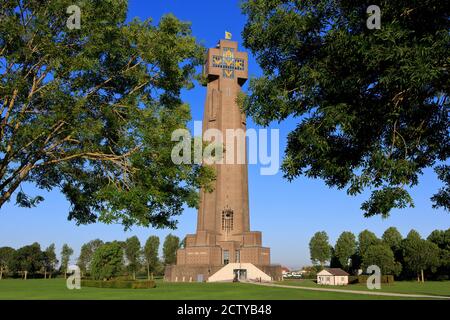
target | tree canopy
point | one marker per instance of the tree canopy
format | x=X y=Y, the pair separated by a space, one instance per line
x=66 y=252
x=6 y=257
x=366 y=239
x=107 y=261
x=393 y=238
x=86 y=252
x=372 y=105
x=150 y=254
x=345 y=248
x=420 y=254
x=90 y=111
x=132 y=250
x=382 y=256
x=170 y=246
x=319 y=248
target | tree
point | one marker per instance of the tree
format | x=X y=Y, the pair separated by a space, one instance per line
x=133 y=254
x=151 y=255
x=382 y=256
x=90 y=111
x=170 y=247
x=28 y=259
x=442 y=239
x=393 y=238
x=107 y=261
x=6 y=256
x=86 y=252
x=372 y=104
x=366 y=239
x=66 y=252
x=50 y=260
x=319 y=248
x=420 y=254
x=345 y=248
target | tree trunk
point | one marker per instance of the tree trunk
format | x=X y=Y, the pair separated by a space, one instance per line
x=421 y=272
x=26 y=274
x=134 y=275
x=152 y=276
x=148 y=271
x=45 y=273
x=1 y=273
x=65 y=274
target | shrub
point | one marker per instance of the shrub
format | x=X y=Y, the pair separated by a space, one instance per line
x=144 y=284
x=352 y=279
x=118 y=284
x=384 y=279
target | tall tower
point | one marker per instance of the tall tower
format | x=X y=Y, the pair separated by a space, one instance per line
x=223 y=226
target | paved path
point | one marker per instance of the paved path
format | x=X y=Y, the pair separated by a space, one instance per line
x=373 y=293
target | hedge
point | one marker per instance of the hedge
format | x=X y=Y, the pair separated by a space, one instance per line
x=119 y=284
x=363 y=279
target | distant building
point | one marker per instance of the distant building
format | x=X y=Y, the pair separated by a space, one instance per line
x=332 y=277
x=285 y=271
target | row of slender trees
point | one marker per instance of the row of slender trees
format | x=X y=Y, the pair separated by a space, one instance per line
x=96 y=258
x=405 y=258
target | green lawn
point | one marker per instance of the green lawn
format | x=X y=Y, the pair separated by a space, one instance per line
x=56 y=289
x=440 y=288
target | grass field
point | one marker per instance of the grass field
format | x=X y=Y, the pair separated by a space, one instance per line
x=56 y=289
x=440 y=288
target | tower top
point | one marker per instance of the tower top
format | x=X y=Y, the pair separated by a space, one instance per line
x=226 y=62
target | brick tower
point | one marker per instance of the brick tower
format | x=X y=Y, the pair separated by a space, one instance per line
x=223 y=227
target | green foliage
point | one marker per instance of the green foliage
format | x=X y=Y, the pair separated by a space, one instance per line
x=27 y=259
x=366 y=239
x=90 y=111
x=86 y=252
x=50 y=261
x=363 y=279
x=393 y=238
x=319 y=248
x=372 y=105
x=420 y=254
x=170 y=247
x=345 y=248
x=107 y=261
x=382 y=256
x=143 y=284
x=118 y=284
x=6 y=258
x=442 y=198
x=442 y=239
x=66 y=252
x=133 y=254
x=150 y=253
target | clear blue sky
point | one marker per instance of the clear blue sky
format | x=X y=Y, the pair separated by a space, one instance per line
x=288 y=214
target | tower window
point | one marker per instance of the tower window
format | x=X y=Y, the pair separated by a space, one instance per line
x=227 y=220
